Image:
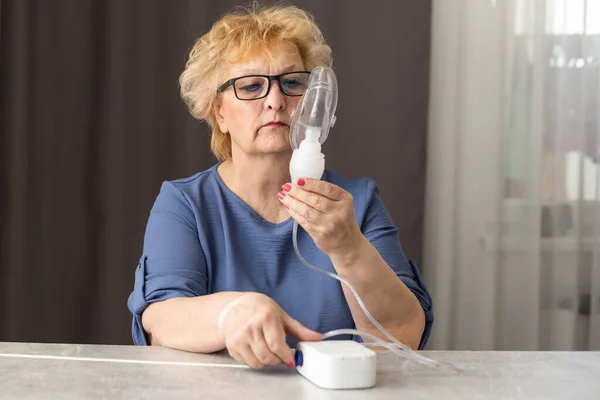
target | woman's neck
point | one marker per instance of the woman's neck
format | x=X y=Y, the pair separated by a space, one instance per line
x=257 y=181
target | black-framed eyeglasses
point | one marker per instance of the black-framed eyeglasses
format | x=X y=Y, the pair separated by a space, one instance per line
x=254 y=87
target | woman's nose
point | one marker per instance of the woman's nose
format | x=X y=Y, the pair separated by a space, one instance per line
x=275 y=99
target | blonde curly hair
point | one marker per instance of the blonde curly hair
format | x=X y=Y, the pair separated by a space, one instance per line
x=238 y=34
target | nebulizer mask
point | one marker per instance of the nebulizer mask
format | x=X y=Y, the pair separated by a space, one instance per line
x=312 y=119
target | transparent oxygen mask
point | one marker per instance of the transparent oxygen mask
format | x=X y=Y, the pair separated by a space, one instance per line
x=315 y=114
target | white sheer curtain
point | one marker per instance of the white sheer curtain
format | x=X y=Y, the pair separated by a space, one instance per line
x=512 y=246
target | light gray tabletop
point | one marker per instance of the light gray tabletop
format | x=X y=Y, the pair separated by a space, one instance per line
x=48 y=371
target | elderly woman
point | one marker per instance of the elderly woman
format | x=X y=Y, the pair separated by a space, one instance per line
x=218 y=268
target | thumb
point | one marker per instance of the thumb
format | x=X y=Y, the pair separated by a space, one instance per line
x=299 y=331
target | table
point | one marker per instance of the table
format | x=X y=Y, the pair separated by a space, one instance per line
x=140 y=375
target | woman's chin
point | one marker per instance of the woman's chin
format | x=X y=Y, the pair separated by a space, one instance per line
x=279 y=150
x=276 y=145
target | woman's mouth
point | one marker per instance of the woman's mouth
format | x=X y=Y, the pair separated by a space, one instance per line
x=275 y=124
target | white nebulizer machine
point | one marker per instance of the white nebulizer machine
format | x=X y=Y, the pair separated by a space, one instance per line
x=341 y=364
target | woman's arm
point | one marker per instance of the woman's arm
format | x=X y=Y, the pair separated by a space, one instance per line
x=386 y=297
x=252 y=327
x=172 y=271
x=368 y=256
x=187 y=323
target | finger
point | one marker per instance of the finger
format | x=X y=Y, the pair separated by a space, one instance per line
x=248 y=357
x=299 y=218
x=275 y=338
x=262 y=352
x=303 y=210
x=314 y=200
x=324 y=188
x=299 y=331
x=237 y=357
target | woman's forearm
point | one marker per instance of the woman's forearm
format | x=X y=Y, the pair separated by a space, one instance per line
x=187 y=323
x=386 y=297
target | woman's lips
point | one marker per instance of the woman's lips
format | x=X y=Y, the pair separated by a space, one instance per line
x=275 y=124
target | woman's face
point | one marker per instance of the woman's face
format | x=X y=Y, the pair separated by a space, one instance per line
x=259 y=127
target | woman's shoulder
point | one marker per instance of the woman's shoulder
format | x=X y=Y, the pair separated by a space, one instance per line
x=188 y=190
x=195 y=181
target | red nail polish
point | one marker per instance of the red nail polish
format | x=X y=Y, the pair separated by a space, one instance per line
x=301 y=182
x=281 y=195
x=290 y=364
x=287 y=187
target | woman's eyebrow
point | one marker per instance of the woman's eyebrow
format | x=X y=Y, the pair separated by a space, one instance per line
x=254 y=71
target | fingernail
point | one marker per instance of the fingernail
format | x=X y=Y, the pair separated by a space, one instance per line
x=290 y=364
x=301 y=182
x=281 y=195
x=287 y=187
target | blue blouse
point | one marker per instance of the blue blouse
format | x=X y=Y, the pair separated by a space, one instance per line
x=201 y=238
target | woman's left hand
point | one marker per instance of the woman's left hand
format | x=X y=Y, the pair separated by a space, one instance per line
x=326 y=212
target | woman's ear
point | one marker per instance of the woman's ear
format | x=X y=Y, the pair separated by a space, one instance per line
x=216 y=105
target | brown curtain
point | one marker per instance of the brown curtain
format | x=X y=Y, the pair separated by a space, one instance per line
x=91 y=123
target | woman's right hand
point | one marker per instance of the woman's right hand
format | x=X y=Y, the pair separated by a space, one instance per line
x=254 y=328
